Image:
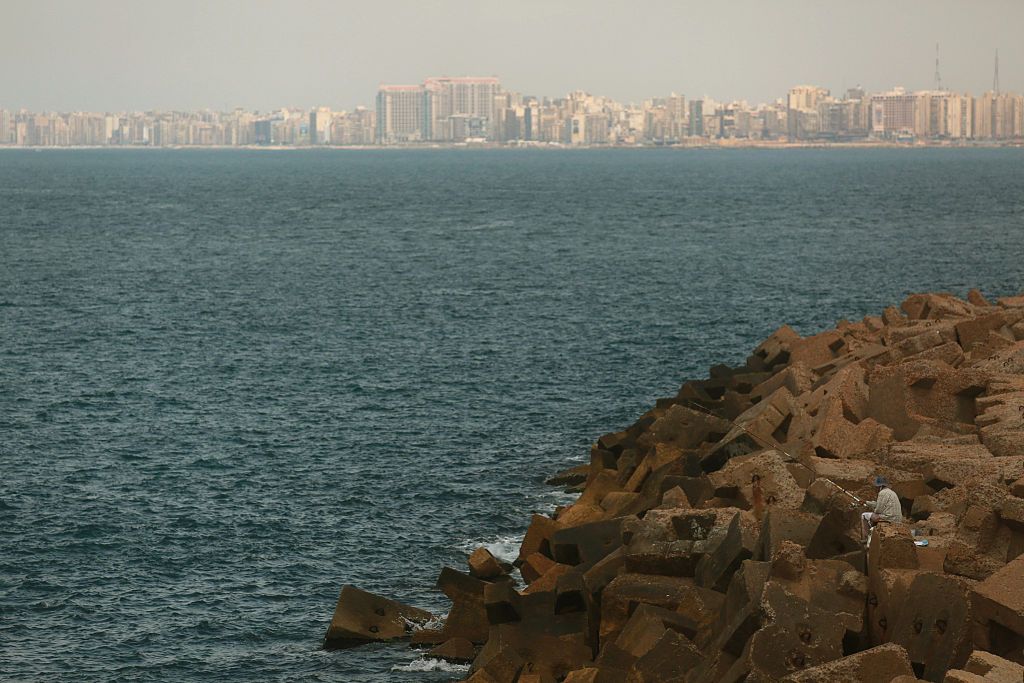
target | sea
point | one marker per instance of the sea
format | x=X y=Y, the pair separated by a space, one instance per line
x=232 y=381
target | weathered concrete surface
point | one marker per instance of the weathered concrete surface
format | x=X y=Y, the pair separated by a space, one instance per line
x=881 y=663
x=361 y=617
x=718 y=538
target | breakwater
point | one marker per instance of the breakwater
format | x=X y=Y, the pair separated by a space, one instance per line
x=720 y=538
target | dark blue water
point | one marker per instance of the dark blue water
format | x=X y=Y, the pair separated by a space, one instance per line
x=232 y=381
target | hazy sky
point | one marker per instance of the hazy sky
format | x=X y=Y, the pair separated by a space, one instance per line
x=263 y=54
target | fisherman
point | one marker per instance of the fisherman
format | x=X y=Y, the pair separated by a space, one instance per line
x=885 y=509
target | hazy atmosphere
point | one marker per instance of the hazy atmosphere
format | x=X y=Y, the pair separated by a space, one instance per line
x=105 y=55
x=534 y=341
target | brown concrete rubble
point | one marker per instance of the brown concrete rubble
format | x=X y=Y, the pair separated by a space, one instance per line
x=985 y=667
x=361 y=617
x=718 y=538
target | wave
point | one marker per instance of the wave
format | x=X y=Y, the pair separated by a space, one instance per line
x=504 y=548
x=425 y=664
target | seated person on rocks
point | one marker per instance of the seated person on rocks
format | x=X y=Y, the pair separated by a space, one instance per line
x=886 y=508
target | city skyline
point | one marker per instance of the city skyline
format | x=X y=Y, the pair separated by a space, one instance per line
x=478 y=110
x=103 y=56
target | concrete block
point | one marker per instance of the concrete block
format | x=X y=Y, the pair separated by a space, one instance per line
x=798 y=636
x=454 y=650
x=892 y=547
x=966 y=560
x=934 y=624
x=548 y=580
x=715 y=569
x=626 y=591
x=586 y=544
x=483 y=565
x=671 y=658
x=538 y=537
x=775 y=349
x=468 y=616
x=999 y=609
x=534 y=566
x=876 y=665
x=976 y=330
x=361 y=617
x=986 y=667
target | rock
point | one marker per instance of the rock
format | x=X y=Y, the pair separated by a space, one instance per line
x=542 y=677
x=534 y=566
x=361 y=617
x=715 y=569
x=780 y=526
x=483 y=565
x=454 y=650
x=627 y=591
x=712 y=543
x=935 y=307
x=789 y=561
x=1011 y=513
x=887 y=590
x=965 y=560
x=501 y=665
x=586 y=544
x=687 y=428
x=923 y=507
x=775 y=349
x=892 y=547
x=934 y=623
x=547 y=647
x=668 y=661
x=646 y=626
x=817 y=349
x=798 y=636
x=761 y=426
x=570 y=476
x=837 y=533
x=998 y=604
x=675 y=497
x=976 y=330
x=538 y=537
x=881 y=663
x=985 y=667
x=975 y=297
x=427 y=637
x=906 y=396
x=468 y=616
x=548 y=581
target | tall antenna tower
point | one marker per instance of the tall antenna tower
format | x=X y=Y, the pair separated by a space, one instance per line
x=938 y=78
x=995 y=77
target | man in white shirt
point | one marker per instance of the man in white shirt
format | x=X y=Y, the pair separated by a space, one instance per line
x=885 y=509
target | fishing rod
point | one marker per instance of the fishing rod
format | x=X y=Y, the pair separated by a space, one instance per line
x=764 y=442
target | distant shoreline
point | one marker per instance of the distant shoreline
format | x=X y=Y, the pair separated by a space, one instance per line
x=727 y=145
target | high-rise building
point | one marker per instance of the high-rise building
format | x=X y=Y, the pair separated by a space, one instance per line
x=982 y=116
x=320 y=126
x=467 y=96
x=354 y=128
x=894 y=113
x=806 y=97
x=676 y=107
x=1007 y=116
x=263 y=132
x=948 y=115
x=696 y=125
x=400 y=114
x=6 y=132
x=802 y=104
